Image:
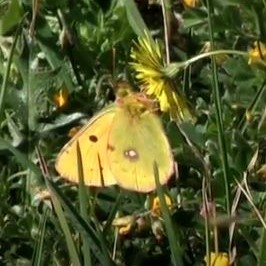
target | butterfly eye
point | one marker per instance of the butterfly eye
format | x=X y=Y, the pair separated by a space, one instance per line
x=93 y=138
x=131 y=154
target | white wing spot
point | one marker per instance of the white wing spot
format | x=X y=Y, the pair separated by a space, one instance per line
x=131 y=155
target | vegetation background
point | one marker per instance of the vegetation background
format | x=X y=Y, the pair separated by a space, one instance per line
x=56 y=58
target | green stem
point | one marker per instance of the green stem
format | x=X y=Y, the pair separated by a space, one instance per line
x=218 y=112
x=173 y=68
x=8 y=67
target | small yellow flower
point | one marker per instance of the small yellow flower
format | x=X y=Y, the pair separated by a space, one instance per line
x=257 y=54
x=191 y=3
x=218 y=259
x=156 y=205
x=61 y=98
x=149 y=64
x=124 y=224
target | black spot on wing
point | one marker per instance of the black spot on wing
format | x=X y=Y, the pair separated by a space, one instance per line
x=93 y=138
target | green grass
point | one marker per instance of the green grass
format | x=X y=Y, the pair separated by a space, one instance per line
x=78 y=46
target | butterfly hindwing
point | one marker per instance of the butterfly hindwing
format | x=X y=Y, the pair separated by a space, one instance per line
x=134 y=144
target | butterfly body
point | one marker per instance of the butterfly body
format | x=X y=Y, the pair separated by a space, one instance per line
x=119 y=146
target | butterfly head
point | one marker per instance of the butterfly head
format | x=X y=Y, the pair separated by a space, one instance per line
x=136 y=104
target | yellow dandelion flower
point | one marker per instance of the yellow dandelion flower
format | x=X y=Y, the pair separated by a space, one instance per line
x=156 y=205
x=61 y=98
x=257 y=54
x=218 y=259
x=149 y=64
x=191 y=3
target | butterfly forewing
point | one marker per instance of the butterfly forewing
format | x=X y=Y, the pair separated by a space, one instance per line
x=92 y=140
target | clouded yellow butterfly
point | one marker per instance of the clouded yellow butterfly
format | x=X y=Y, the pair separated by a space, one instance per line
x=119 y=146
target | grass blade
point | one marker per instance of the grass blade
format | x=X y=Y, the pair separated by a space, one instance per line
x=22 y=159
x=218 y=111
x=172 y=232
x=8 y=68
x=63 y=222
x=135 y=19
x=262 y=247
x=39 y=249
x=83 y=201
x=81 y=225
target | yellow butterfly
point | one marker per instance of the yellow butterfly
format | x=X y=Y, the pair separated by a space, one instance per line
x=119 y=146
